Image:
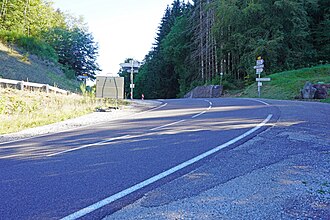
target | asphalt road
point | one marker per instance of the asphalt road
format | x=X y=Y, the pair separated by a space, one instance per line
x=59 y=175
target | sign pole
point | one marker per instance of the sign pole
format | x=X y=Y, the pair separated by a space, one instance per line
x=132 y=80
x=259 y=68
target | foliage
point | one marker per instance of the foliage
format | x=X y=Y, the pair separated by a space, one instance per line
x=36 y=27
x=196 y=42
x=76 y=50
x=157 y=77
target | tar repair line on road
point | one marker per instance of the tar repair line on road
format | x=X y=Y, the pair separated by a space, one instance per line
x=162 y=175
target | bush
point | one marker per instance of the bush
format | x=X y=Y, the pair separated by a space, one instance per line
x=69 y=73
x=30 y=44
x=37 y=47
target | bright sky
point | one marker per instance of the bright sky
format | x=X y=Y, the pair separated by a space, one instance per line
x=123 y=28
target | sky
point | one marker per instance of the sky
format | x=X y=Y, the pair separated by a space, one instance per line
x=122 y=28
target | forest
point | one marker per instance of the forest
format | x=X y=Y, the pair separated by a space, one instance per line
x=197 y=41
x=38 y=28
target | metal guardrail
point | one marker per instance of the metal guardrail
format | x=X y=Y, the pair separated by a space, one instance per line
x=23 y=85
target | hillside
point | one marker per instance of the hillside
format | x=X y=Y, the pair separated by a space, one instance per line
x=17 y=65
x=287 y=85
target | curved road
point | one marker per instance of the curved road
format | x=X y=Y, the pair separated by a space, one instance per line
x=93 y=171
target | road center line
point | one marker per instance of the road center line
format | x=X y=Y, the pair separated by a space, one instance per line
x=126 y=136
x=167 y=125
x=199 y=114
x=162 y=175
x=89 y=145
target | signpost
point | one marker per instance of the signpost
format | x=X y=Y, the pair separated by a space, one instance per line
x=133 y=65
x=259 y=69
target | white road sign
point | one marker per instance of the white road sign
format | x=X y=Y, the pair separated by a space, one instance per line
x=259 y=66
x=263 y=79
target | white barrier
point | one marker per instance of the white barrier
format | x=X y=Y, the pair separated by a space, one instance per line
x=22 y=85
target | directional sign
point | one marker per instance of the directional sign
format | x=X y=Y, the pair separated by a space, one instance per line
x=260 y=62
x=258 y=71
x=261 y=66
x=263 y=79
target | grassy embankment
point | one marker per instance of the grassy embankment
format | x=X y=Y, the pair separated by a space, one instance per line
x=287 y=85
x=22 y=66
x=23 y=109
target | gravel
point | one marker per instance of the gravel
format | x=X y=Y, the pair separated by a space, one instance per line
x=86 y=120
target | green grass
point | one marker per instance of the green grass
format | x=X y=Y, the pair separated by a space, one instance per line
x=17 y=65
x=287 y=85
x=23 y=109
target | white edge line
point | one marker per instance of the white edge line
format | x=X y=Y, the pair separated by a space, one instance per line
x=166 y=173
x=80 y=127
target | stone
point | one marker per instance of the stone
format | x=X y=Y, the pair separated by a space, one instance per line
x=211 y=91
x=321 y=91
x=308 y=92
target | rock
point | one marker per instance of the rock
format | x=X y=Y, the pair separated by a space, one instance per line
x=321 y=91
x=308 y=92
x=205 y=92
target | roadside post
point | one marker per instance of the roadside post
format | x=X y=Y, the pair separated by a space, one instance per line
x=259 y=69
x=132 y=67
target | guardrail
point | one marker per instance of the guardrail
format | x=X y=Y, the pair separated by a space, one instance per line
x=22 y=85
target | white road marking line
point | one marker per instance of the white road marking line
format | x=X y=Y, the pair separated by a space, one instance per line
x=167 y=125
x=257 y=100
x=85 y=126
x=162 y=175
x=122 y=137
x=140 y=113
x=199 y=114
x=88 y=145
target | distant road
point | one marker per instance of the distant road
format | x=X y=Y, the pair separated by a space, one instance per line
x=107 y=166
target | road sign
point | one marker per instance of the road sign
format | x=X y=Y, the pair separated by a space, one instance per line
x=263 y=79
x=132 y=86
x=260 y=62
x=109 y=87
x=259 y=66
x=259 y=84
x=258 y=71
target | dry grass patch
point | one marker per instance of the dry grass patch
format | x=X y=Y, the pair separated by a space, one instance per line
x=21 y=109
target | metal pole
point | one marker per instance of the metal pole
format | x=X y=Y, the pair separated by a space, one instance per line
x=132 y=80
x=259 y=87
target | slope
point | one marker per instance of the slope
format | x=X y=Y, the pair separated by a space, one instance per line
x=286 y=85
x=17 y=65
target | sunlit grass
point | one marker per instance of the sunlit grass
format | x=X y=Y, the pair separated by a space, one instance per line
x=20 y=110
x=287 y=85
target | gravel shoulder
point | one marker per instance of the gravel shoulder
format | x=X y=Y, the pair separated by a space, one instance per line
x=86 y=120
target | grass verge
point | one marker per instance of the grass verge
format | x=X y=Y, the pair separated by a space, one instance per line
x=20 y=110
x=286 y=85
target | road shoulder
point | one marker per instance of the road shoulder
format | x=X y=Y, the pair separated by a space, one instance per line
x=134 y=107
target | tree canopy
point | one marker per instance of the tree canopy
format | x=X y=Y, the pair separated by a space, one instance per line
x=37 y=27
x=196 y=42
